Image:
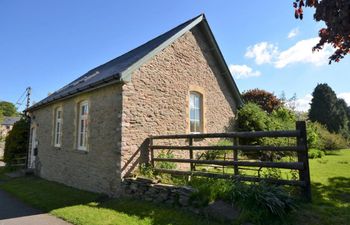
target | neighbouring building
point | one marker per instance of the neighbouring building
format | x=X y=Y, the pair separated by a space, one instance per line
x=5 y=127
x=90 y=134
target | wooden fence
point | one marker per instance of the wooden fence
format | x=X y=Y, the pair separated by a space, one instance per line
x=300 y=147
x=20 y=160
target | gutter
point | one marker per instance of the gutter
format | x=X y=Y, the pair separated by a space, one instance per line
x=107 y=81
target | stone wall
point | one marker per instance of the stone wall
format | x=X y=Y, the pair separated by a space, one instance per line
x=97 y=169
x=149 y=190
x=156 y=101
x=180 y=196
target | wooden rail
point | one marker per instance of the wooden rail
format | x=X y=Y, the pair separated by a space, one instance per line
x=19 y=160
x=302 y=164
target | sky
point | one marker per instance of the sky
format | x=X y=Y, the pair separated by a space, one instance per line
x=47 y=44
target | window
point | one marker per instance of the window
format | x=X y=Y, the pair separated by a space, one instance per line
x=196 y=112
x=83 y=125
x=58 y=127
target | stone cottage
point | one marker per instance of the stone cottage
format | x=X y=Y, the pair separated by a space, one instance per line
x=89 y=134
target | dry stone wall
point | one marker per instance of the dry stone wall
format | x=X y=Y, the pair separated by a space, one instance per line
x=149 y=190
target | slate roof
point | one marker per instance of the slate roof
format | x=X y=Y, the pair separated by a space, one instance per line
x=114 y=70
x=10 y=120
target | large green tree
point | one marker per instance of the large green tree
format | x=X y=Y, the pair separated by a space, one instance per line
x=8 y=109
x=328 y=110
x=341 y=118
x=336 y=16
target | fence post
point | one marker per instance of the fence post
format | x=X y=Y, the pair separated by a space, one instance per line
x=235 y=155
x=190 y=143
x=304 y=175
x=152 y=151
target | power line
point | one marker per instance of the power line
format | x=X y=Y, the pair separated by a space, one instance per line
x=19 y=99
x=25 y=97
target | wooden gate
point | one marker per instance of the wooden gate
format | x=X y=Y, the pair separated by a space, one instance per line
x=300 y=147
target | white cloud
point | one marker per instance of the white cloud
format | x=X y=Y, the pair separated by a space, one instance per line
x=345 y=96
x=243 y=71
x=262 y=52
x=293 y=33
x=301 y=52
x=303 y=104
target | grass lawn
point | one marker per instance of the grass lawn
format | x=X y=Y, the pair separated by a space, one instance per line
x=330 y=178
x=84 y=208
x=330 y=186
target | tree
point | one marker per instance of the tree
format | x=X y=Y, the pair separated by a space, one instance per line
x=341 y=118
x=1 y=115
x=266 y=100
x=322 y=103
x=335 y=14
x=17 y=140
x=328 y=110
x=8 y=109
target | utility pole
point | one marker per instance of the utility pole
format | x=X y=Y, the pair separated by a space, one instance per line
x=29 y=92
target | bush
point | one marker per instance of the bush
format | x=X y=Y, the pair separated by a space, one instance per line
x=166 y=165
x=326 y=140
x=258 y=201
x=146 y=170
x=17 y=140
x=209 y=190
x=316 y=153
x=262 y=202
x=252 y=118
x=215 y=154
x=313 y=136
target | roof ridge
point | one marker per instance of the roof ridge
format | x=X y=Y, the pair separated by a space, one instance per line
x=128 y=53
x=147 y=42
x=120 y=69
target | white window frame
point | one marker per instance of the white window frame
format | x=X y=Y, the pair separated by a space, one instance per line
x=83 y=126
x=58 y=127
x=198 y=109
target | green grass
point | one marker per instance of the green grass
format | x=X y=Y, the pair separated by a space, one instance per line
x=330 y=186
x=84 y=208
x=330 y=177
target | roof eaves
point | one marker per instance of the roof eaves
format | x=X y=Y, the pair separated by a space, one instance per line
x=126 y=74
x=100 y=83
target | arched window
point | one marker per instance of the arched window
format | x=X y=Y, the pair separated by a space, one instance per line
x=58 y=127
x=83 y=125
x=196 y=112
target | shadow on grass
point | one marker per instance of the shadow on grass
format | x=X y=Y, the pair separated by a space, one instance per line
x=331 y=204
x=159 y=214
x=46 y=195
x=81 y=207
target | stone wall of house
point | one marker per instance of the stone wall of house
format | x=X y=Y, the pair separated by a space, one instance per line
x=156 y=101
x=97 y=169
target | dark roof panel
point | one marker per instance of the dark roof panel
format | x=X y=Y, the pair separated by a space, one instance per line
x=10 y=121
x=112 y=69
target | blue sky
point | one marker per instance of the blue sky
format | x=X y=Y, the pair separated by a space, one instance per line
x=46 y=44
